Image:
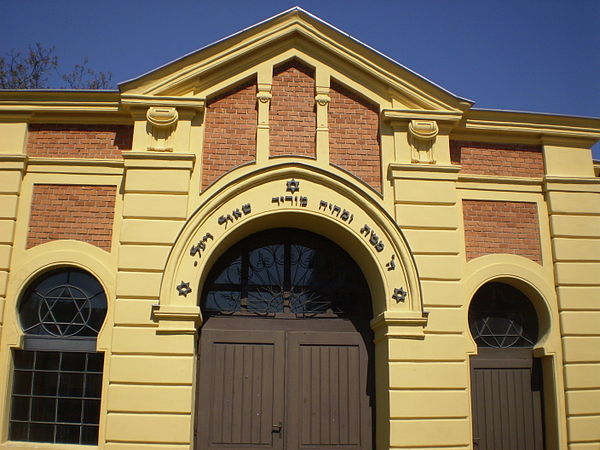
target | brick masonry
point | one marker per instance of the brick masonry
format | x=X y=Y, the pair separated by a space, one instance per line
x=501 y=227
x=354 y=135
x=230 y=131
x=514 y=160
x=292 y=117
x=79 y=141
x=68 y=211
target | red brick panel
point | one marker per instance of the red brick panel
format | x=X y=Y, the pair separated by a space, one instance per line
x=354 y=135
x=501 y=227
x=78 y=141
x=292 y=118
x=230 y=131
x=513 y=160
x=70 y=211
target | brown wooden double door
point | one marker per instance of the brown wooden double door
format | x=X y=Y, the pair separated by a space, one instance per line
x=506 y=387
x=283 y=384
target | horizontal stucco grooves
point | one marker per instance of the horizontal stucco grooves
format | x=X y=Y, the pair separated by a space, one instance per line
x=586 y=428
x=152 y=369
x=430 y=432
x=7 y=230
x=579 y=297
x=425 y=191
x=583 y=446
x=5 y=251
x=419 y=403
x=134 y=446
x=441 y=293
x=427 y=216
x=148 y=427
x=3 y=283
x=10 y=182
x=573 y=202
x=8 y=206
x=149 y=399
x=440 y=267
x=446 y=319
x=430 y=348
x=143 y=257
x=157 y=181
x=566 y=249
x=141 y=340
x=583 y=226
x=134 y=311
x=583 y=402
x=135 y=231
x=581 y=349
x=582 y=376
x=433 y=241
x=155 y=206
x=417 y=375
x=587 y=273
x=138 y=284
x=580 y=323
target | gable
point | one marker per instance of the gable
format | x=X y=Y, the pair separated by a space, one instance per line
x=294 y=34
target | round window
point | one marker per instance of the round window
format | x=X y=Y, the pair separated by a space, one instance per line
x=62 y=303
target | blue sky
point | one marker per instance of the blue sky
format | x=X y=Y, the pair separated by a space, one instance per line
x=526 y=55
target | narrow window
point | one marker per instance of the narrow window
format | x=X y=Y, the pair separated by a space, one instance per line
x=57 y=377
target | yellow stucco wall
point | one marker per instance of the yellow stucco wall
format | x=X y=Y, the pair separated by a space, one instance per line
x=422 y=345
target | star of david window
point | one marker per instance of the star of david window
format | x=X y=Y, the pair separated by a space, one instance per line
x=501 y=316
x=286 y=273
x=57 y=378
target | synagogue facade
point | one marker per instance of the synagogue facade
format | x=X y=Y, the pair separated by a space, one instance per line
x=286 y=240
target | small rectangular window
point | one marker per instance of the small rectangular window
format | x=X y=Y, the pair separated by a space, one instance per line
x=56 y=397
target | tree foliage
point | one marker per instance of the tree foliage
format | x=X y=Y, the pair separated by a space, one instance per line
x=39 y=66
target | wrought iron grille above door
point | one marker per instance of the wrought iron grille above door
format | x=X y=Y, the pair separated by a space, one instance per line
x=286 y=272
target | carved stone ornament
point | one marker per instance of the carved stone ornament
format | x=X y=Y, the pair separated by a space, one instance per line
x=421 y=135
x=162 y=120
x=162 y=117
x=264 y=96
x=322 y=99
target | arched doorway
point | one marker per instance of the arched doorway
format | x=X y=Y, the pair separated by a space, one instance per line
x=506 y=380
x=285 y=354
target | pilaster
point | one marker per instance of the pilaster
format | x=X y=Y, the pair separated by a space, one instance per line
x=145 y=364
x=574 y=210
x=12 y=168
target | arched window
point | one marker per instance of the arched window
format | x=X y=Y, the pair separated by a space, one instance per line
x=506 y=381
x=286 y=272
x=57 y=377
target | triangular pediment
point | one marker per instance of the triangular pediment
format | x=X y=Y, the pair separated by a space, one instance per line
x=294 y=34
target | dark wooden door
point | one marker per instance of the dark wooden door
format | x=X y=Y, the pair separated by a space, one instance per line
x=283 y=384
x=506 y=400
x=240 y=387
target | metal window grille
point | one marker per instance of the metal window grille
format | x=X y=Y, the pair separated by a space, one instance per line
x=56 y=397
x=286 y=272
x=501 y=316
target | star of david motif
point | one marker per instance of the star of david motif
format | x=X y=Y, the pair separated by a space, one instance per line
x=184 y=288
x=500 y=332
x=64 y=311
x=293 y=186
x=399 y=294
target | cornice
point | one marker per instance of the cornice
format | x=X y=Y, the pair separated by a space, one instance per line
x=545 y=126
x=59 y=101
x=135 y=100
x=392 y=115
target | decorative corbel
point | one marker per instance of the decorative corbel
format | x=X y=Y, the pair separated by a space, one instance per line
x=421 y=136
x=162 y=121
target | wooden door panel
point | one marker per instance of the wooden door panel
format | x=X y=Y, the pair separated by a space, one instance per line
x=327 y=393
x=506 y=408
x=241 y=387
